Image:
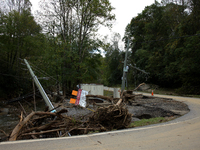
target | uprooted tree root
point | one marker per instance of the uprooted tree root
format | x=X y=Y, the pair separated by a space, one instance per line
x=105 y=119
x=41 y=124
x=111 y=117
x=47 y=124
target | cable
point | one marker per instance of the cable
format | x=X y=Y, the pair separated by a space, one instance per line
x=5 y=61
x=9 y=63
x=170 y=38
x=41 y=71
x=14 y=76
x=44 y=73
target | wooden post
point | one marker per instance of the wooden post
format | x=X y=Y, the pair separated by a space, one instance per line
x=34 y=96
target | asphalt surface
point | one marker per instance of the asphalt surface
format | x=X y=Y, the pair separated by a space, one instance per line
x=180 y=134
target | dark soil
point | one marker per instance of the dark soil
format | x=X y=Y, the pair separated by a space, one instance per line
x=102 y=115
x=141 y=107
x=151 y=107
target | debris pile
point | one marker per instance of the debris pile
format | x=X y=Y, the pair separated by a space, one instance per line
x=41 y=125
x=101 y=114
x=112 y=117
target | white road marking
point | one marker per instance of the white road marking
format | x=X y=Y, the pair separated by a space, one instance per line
x=103 y=133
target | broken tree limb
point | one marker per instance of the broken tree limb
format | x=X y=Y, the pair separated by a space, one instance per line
x=21 y=117
x=111 y=117
x=42 y=132
x=22 y=108
x=17 y=129
x=4 y=133
x=119 y=102
x=121 y=99
x=139 y=86
x=39 y=128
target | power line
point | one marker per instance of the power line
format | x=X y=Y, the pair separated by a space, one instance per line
x=41 y=71
x=13 y=76
x=169 y=38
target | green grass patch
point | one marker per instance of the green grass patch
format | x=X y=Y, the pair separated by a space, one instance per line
x=144 y=122
x=91 y=132
x=108 y=93
x=196 y=96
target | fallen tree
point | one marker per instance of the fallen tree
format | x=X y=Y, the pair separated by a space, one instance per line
x=47 y=124
x=33 y=120
x=99 y=119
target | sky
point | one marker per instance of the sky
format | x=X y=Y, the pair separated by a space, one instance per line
x=125 y=10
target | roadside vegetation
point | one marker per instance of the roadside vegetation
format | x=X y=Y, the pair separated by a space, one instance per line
x=61 y=44
x=145 y=122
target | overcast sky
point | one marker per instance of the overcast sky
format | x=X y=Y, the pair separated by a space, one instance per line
x=125 y=10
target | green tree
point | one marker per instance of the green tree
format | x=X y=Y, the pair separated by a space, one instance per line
x=164 y=39
x=113 y=59
x=20 y=38
x=75 y=24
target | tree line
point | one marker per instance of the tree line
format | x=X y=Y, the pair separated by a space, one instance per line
x=165 y=41
x=62 y=44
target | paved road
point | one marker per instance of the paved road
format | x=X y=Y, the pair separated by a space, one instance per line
x=180 y=134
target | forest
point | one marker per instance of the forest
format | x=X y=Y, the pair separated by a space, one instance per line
x=165 y=41
x=62 y=45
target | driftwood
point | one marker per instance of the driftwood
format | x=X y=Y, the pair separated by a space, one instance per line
x=4 y=133
x=119 y=102
x=42 y=132
x=139 y=86
x=111 y=117
x=48 y=124
x=25 y=121
x=17 y=129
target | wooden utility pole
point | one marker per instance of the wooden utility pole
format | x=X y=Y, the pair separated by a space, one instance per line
x=34 y=95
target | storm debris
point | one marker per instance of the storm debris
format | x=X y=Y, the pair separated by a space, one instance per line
x=101 y=114
x=111 y=117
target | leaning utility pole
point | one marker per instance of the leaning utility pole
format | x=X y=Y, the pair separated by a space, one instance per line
x=44 y=95
x=125 y=70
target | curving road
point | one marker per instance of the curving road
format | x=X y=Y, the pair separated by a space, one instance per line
x=180 y=134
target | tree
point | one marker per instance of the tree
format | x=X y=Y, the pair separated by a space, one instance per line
x=113 y=59
x=164 y=43
x=75 y=24
x=17 y=5
x=20 y=37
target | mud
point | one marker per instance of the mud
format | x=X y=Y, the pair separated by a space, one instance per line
x=142 y=107
x=103 y=115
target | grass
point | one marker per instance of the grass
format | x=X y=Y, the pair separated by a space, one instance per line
x=144 y=122
x=160 y=90
x=108 y=93
x=166 y=91
x=91 y=132
x=196 y=96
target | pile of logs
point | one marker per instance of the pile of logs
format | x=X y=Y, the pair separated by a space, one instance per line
x=41 y=124
x=58 y=124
